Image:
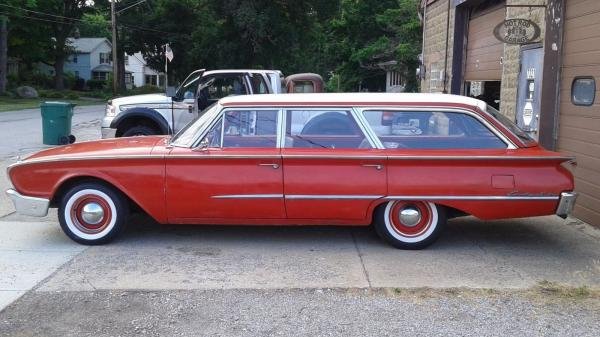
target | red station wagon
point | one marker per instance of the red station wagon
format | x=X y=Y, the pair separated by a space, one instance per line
x=403 y=162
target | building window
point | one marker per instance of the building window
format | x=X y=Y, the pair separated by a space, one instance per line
x=98 y=75
x=128 y=78
x=583 y=91
x=150 y=80
x=104 y=58
x=75 y=59
x=126 y=60
x=76 y=73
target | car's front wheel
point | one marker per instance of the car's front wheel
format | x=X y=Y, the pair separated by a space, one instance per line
x=92 y=213
x=409 y=224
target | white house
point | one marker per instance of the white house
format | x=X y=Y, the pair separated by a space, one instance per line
x=139 y=73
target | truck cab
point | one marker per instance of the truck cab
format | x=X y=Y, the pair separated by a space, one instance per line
x=158 y=114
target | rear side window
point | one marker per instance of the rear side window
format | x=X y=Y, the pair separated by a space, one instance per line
x=431 y=130
x=328 y=129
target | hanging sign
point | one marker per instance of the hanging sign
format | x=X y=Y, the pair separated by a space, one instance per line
x=517 y=31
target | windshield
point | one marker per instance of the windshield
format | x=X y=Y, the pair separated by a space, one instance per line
x=186 y=136
x=187 y=90
x=509 y=125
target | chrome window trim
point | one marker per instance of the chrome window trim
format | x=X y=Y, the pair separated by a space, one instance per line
x=367 y=129
x=348 y=109
x=509 y=144
x=391 y=197
x=281 y=129
x=200 y=131
x=196 y=144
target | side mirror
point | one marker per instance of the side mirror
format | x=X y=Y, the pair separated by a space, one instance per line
x=203 y=146
x=171 y=91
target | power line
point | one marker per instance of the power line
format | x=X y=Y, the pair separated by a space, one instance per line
x=134 y=27
x=42 y=13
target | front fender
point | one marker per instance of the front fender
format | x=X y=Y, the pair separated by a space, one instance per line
x=140 y=112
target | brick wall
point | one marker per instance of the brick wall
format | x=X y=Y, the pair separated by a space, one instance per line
x=435 y=47
x=435 y=43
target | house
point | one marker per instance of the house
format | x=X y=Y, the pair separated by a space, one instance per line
x=139 y=73
x=91 y=60
x=537 y=61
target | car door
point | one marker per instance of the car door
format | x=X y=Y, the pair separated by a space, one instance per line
x=331 y=170
x=184 y=107
x=235 y=174
x=213 y=87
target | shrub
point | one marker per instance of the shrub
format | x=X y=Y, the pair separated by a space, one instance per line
x=72 y=95
x=96 y=84
x=145 y=89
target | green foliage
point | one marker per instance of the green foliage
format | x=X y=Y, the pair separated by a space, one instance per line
x=145 y=89
x=346 y=41
x=96 y=84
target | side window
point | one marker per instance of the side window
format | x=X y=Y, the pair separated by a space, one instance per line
x=431 y=130
x=215 y=88
x=328 y=129
x=259 y=86
x=244 y=129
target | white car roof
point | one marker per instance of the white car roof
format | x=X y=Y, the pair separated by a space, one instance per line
x=355 y=98
x=222 y=71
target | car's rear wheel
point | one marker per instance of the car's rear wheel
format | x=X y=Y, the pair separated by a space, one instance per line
x=92 y=213
x=410 y=224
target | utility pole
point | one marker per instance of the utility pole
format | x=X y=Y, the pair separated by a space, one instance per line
x=113 y=19
x=3 y=53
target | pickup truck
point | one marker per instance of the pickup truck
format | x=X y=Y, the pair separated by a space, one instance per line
x=160 y=114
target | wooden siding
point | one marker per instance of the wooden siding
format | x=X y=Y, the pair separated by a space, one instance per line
x=579 y=126
x=484 y=51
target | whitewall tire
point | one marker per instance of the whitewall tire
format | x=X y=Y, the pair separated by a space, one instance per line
x=409 y=224
x=92 y=213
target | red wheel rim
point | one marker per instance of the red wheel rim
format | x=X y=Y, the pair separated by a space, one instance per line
x=417 y=229
x=81 y=223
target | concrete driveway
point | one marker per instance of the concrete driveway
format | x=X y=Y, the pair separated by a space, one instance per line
x=481 y=278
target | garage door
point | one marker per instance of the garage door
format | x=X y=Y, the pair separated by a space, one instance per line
x=484 y=51
x=579 y=123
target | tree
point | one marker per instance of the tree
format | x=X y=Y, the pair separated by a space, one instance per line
x=3 y=53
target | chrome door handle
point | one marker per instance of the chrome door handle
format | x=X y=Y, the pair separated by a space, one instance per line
x=376 y=166
x=273 y=165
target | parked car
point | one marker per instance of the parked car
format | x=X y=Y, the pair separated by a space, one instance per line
x=404 y=162
x=158 y=114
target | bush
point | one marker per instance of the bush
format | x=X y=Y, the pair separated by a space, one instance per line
x=72 y=95
x=79 y=84
x=96 y=84
x=145 y=89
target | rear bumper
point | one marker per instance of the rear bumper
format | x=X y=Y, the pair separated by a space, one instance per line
x=566 y=204
x=31 y=206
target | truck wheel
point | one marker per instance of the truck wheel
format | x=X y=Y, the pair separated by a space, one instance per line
x=140 y=130
x=92 y=213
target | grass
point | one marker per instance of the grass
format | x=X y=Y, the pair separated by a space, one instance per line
x=12 y=104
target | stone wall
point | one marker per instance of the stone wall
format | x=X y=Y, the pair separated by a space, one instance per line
x=434 y=53
x=512 y=53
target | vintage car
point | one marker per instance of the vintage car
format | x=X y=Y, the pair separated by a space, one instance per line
x=403 y=162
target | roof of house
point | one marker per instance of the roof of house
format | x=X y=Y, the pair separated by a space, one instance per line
x=354 y=98
x=86 y=44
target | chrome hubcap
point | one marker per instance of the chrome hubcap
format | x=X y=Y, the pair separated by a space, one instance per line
x=92 y=213
x=410 y=216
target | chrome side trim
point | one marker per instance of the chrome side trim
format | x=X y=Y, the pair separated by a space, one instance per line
x=330 y=156
x=217 y=156
x=332 y=197
x=566 y=204
x=31 y=206
x=248 y=196
x=412 y=157
x=55 y=159
x=470 y=197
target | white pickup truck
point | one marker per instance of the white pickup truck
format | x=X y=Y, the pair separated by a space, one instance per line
x=157 y=114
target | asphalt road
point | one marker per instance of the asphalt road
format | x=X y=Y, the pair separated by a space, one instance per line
x=481 y=278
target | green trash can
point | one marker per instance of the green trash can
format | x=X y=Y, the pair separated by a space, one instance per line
x=56 y=123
